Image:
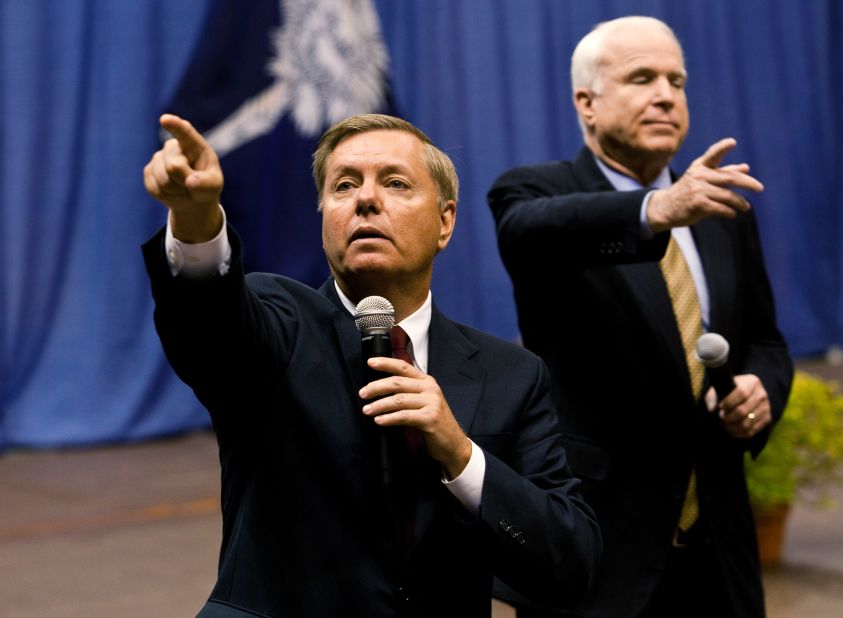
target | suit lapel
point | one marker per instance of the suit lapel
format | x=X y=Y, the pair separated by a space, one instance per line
x=646 y=283
x=348 y=337
x=718 y=262
x=450 y=361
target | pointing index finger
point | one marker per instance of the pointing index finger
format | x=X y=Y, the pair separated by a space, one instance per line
x=716 y=152
x=190 y=141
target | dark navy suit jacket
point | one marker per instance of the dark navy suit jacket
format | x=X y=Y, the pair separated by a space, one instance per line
x=592 y=302
x=307 y=529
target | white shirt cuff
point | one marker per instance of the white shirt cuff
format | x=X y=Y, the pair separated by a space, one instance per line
x=468 y=486
x=198 y=260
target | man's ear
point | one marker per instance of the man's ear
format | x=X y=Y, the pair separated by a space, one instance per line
x=584 y=104
x=448 y=218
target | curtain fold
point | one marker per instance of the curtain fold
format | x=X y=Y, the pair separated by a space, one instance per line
x=82 y=83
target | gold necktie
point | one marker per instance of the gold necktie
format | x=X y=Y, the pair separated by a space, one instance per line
x=686 y=307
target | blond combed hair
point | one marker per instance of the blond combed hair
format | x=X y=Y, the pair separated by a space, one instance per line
x=439 y=165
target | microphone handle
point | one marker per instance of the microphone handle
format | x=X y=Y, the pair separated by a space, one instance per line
x=378 y=343
x=722 y=379
x=375 y=344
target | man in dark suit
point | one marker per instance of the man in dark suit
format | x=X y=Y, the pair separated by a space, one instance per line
x=591 y=247
x=310 y=526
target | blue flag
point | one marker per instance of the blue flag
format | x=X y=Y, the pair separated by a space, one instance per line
x=267 y=78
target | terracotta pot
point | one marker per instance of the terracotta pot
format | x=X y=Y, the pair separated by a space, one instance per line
x=770 y=526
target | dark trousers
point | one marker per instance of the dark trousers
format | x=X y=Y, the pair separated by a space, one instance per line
x=692 y=585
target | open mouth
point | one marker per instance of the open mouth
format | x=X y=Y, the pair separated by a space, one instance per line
x=366 y=234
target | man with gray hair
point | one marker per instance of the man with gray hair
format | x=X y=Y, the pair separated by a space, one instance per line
x=644 y=263
x=359 y=484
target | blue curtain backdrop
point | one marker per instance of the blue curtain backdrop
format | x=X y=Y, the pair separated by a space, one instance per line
x=82 y=84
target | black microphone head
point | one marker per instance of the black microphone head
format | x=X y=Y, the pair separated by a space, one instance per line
x=374 y=313
x=712 y=350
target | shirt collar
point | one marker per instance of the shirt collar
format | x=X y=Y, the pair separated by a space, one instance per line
x=416 y=325
x=622 y=182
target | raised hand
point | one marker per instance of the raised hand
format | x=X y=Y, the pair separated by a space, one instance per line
x=705 y=189
x=185 y=175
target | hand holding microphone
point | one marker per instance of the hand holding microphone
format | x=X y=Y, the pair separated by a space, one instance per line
x=743 y=402
x=712 y=350
x=421 y=404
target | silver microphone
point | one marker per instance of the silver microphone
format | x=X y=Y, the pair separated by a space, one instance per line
x=374 y=313
x=375 y=317
x=712 y=350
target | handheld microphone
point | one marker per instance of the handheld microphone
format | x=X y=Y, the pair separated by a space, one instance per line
x=712 y=350
x=375 y=317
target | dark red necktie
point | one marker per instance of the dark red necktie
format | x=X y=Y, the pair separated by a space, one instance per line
x=412 y=442
x=400 y=340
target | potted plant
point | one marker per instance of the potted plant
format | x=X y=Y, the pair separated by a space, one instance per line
x=803 y=456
